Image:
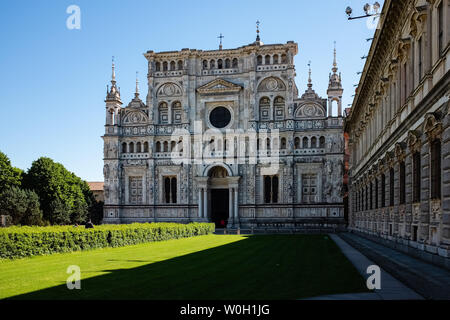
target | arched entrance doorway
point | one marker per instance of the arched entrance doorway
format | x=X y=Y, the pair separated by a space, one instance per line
x=219 y=196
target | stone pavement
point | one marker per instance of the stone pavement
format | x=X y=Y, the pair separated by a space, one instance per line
x=391 y=288
x=428 y=280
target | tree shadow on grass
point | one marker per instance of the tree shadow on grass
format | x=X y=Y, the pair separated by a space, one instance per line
x=264 y=267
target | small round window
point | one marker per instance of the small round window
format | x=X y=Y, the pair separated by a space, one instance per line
x=220 y=117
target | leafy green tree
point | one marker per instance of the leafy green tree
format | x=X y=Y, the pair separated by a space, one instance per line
x=60 y=212
x=65 y=198
x=9 y=175
x=21 y=205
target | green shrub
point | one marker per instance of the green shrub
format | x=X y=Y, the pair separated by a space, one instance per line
x=18 y=242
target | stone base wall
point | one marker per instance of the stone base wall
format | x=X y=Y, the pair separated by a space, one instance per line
x=437 y=255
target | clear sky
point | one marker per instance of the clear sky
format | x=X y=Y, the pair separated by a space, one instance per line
x=53 y=80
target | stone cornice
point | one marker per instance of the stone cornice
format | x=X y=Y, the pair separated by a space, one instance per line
x=392 y=18
x=225 y=53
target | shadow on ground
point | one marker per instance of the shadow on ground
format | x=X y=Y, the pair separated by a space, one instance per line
x=265 y=267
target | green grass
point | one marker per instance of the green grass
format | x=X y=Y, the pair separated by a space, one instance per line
x=204 y=267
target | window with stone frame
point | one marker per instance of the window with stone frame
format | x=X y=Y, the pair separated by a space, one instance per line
x=163 y=111
x=264 y=109
x=391 y=187
x=367 y=197
x=271 y=184
x=417 y=176
x=435 y=169
x=371 y=195
x=135 y=190
x=376 y=193
x=176 y=110
x=402 y=183
x=279 y=108
x=170 y=189
x=383 y=190
x=420 y=57
x=309 y=188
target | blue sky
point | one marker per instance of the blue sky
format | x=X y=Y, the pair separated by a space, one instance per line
x=53 y=80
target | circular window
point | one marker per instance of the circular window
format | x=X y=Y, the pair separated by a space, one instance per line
x=220 y=117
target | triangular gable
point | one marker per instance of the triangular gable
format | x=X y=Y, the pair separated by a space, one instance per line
x=219 y=86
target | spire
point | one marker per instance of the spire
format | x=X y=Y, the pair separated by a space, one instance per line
x=220 y=37
x=258 y=39
x=309 y=77
x=113 y=76
x=257 y=31
x=136 y=94
x=334 y=59
x=309 y=94
x=114 y=92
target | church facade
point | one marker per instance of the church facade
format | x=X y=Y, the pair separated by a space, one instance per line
x=223 y=136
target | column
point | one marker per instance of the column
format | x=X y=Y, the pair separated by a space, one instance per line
x=200 y=209
x=205 y=203
x=236 y=205
x=230 y=206
x=330 y=107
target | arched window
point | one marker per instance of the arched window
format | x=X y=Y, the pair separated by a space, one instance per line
x=158 y=66
x=313 y=142
x=172 y=65
x=165 y=66
x=180 y=65
x=145 y=146
x=163 y=113
x=284 y=59
x=259 y=60
x=172 y=146
x=124 y=147
x=166 y=146
x=275 y=59
x=267 y=144
x=219 y=64
x=138 y=147
x=176 y=112
x=267 y=59
x=131 y=147
x=205 y=64
x=264 y=108
x=283 y=143
x=322 y=142
x=212 y=64
x=158 y=146
x=305 y=143
x=297 y=143
x=227 y=64
x=235 y=63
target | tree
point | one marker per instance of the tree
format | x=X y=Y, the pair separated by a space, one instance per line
x=9 y=175
x=21 y=205
x=64 y=197
x=96 y=212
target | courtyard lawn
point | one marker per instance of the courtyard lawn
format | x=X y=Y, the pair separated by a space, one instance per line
x=204 y=267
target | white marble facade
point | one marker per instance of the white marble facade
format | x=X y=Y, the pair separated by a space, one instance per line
x=224 y=136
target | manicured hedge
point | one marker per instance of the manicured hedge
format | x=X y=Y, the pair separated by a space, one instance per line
x=18 y=242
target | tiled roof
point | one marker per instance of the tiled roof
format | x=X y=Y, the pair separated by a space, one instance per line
x=96 y=186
